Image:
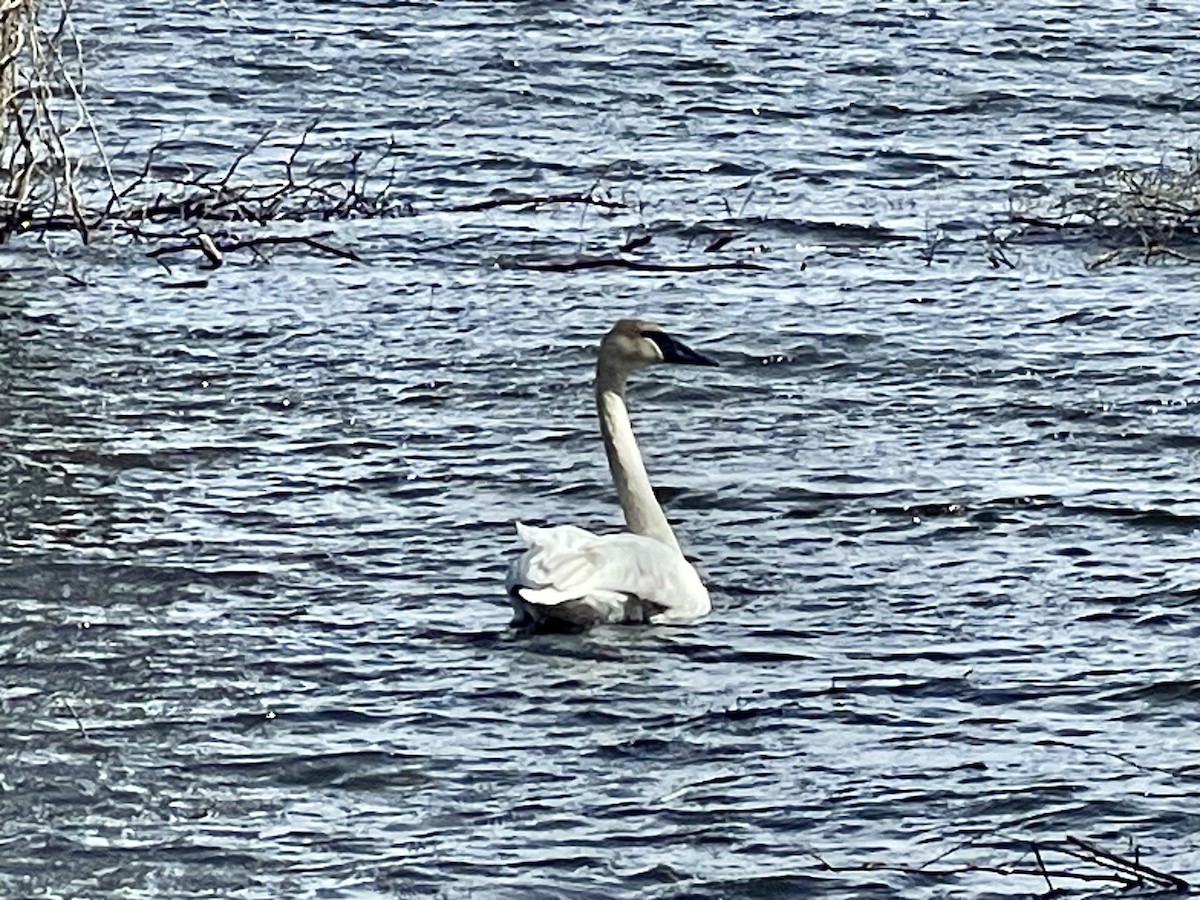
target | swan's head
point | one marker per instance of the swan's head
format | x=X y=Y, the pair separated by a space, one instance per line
x=634 y=343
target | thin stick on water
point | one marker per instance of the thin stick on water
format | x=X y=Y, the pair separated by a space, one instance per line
x=1042 y=865
x=1141 y=870
x=1114 y=869
x=74 y=715
x=535 y=201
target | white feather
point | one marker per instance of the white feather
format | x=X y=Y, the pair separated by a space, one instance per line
x=579 y=578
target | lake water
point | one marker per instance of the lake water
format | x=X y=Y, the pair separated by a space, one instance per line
x=252 y=621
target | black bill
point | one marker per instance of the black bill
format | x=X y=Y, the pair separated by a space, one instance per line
x=674 y=351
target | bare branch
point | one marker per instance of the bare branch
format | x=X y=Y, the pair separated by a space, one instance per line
x=274 y=240
x=1107 y=857
x=1146 y=212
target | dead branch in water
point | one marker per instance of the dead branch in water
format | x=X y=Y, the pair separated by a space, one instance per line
x=215 y=252
x=1144 y=213
x=283 y=192
x=588 y=199
x=1140 y=872
x=216 y=211
x=210 y=209
x=1107 y=867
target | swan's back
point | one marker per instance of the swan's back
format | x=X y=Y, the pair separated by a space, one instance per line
x=570 y=578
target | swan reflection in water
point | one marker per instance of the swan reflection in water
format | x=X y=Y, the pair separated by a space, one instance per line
x=569 y=578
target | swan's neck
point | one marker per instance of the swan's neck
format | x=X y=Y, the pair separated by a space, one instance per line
x=643 y=515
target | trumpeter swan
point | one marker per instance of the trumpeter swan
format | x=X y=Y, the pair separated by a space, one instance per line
x=569 y=578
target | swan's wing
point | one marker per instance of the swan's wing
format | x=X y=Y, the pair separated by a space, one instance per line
x=618 y=577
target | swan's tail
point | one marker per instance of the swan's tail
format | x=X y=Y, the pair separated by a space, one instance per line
x=576 y=577
x=555 y=567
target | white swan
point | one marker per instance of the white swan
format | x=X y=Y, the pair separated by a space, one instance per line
x=569 y=578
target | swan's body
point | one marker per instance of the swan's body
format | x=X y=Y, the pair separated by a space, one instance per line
x=570 y=578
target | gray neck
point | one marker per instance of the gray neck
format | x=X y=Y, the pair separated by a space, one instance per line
x=643 y=515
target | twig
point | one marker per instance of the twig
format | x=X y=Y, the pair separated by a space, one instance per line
x=954 y=848
x=720 y=242
x=746 y=200
x=1104 y=258
x=1112 y=754
x=1114 y=869
x=1175 y=254
x=953 y=871
x=258 y=242
x=1042 y=865
x=74 y=715
x=240 y=158
x=934 y=238
x=1138 y=868
x=272 y=240
x=635 y=243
